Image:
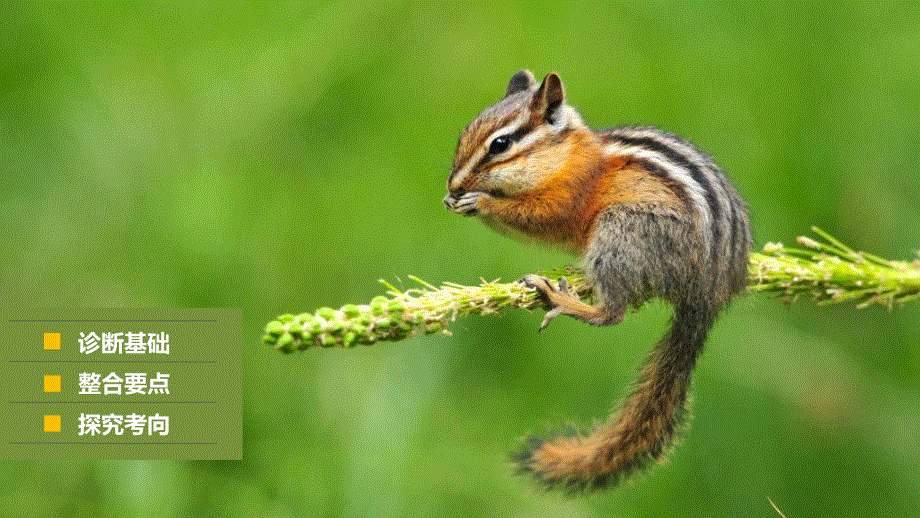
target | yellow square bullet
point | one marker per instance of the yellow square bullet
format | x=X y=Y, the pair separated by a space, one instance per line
x=52 y=423
x=52 y=383
x=52 y=340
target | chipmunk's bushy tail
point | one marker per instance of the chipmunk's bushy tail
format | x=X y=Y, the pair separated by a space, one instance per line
x=642 y=430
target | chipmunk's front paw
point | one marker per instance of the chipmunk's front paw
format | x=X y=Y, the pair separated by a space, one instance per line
x=468 y=203
x=550 y=294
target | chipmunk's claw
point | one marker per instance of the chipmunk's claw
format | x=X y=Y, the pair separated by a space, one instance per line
x=564 y=285
x=549 y=316
x=543 y=286
x=549 y=295
x=465 y=203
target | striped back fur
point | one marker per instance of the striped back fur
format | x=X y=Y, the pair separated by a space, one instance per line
x=720 y=211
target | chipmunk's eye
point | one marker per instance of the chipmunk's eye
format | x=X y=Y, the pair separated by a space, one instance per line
x=499 y=145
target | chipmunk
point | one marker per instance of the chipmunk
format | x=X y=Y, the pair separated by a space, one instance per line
x=649 y=215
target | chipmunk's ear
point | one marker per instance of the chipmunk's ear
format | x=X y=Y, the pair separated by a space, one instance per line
x=549 y=97
x=522 y=80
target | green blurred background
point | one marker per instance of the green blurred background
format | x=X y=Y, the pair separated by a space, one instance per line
x=281 y=157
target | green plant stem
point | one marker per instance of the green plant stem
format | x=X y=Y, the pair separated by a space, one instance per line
x=825 y=270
